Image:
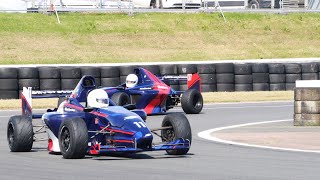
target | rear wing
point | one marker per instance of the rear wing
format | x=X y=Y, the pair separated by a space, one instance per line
x=27 y=95
x=193 y=80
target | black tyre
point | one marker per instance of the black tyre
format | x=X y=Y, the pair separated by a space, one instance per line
x=225 y=78
x=224 y=68
x=120 y=98
x=73 y=138
x=254 y=4
x=242 y=69
x=225 y=87
x=261 y=86
x=20 y=134
x=243 y=87
x=309 y=67
x=34 y=83
x=260 y=68
x=192 y=101
x=278 y=87
x=110 y=82
x=28 y=73
x=70 y=72
x=49 y=73
x=9 y=84
x=109 y=71
x=168 y=69
x=243 y=79
x=292 y=68
x=187 y=68
x=90 y=71
x=276 y=68
x=208 y=87
x=291 y=78
x=277 y=78
x=8 y=73
x=50 y=84
x=69 y=84
x=125 y=70
x=206 y=68
x=309 y=76
x=180 y=129
x=260 y=77
x=208 y=78
x=154 y=69
x=290 y=86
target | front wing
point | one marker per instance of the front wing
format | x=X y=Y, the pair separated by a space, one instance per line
x=174 y=145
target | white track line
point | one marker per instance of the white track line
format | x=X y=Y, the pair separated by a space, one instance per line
x=207 y=135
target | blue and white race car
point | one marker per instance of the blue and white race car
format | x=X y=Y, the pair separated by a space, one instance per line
x=88 y=123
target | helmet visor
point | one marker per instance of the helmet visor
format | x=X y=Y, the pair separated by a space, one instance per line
x=103 y=101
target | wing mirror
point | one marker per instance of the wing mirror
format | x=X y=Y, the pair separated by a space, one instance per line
x=88 y=109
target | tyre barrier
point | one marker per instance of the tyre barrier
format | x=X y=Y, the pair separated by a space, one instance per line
x=306 y=106
x=215 y=76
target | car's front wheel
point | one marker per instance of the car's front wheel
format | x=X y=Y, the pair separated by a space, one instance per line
x=73 y=138
x=179 y=128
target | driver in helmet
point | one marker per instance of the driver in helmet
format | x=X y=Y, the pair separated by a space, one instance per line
x=131 y=80
x=98 y=98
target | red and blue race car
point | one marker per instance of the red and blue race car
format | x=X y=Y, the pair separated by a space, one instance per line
x=155 y=97
x=88 y=123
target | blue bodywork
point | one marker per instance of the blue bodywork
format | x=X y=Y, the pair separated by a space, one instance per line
x=112 y=129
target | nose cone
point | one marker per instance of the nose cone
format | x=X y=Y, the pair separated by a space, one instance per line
x=144 y=141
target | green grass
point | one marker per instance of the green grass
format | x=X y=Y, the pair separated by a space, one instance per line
x=106 y=38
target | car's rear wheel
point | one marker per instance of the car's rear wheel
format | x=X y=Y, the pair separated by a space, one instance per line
x=73 y=138
x=20 y=134
x=180 y=128
x=120 y=98
x=192 y=101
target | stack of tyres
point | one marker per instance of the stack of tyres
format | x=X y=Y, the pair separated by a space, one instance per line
x=49 y=78
x=92 y=71
x=243 y=77
x=207 y=72
x=225 y=77
x=260 y=77
x=293 y=73
x=309 y=71
x=110 y=76
x=307 y=106
x=70 y=77
x=170 y=70
x=154 y=69
x=28 y=77
x=277 y=77
x=8 y=83
x=183 y=70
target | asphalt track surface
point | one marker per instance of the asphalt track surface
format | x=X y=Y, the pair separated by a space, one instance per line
x=205 y=160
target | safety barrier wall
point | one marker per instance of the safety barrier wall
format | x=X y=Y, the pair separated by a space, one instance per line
x=215 y=76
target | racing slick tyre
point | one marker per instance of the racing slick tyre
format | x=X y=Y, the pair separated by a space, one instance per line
x=20 y=134
x=73 y=138
x=120 y=98
x=192 y=101
x=180 y=129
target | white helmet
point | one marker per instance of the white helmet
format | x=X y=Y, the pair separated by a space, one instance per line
x=131 y=80
x=98 y=98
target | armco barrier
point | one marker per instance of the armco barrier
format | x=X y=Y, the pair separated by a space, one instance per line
x=226 y=76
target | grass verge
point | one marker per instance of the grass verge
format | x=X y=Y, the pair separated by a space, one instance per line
x=214 y=97
x=156 y=37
